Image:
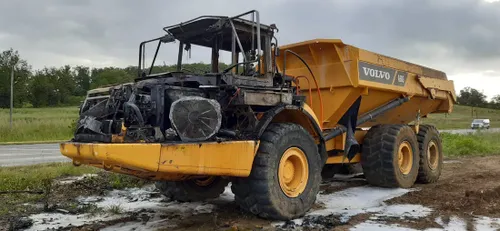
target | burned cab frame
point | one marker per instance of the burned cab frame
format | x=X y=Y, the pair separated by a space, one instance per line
x=186 y=106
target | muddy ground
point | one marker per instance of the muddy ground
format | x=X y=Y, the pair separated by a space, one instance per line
x=467 y=197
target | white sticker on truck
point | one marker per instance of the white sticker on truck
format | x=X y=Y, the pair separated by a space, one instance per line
x=375 y=73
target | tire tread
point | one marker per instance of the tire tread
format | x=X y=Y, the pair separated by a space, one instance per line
x=425 y=175
x=253 y=194
x=377 y=155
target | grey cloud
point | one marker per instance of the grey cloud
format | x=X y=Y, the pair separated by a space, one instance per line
x=454 y=35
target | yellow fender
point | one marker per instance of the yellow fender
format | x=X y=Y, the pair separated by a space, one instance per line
x=302 y=115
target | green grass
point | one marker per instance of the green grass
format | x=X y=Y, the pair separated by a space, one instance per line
x=462 y=116
x=38 y=124
x=471 y=144
x=33 y=177
x=115 y=209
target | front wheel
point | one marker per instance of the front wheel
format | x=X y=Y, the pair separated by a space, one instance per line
x=285 y=176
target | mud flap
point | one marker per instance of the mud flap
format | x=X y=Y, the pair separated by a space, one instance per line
x=349 y=120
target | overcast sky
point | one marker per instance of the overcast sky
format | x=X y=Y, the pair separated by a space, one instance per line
x=459 y=37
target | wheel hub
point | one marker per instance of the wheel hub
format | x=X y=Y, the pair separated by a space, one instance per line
x=293 y=172
x=432 y=155
x=288 y=171
x=204 y=181
x=405 y=157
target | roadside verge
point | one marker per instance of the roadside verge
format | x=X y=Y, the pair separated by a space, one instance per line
x=32 y=142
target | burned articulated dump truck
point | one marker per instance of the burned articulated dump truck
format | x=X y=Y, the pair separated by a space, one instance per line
x=272 y=123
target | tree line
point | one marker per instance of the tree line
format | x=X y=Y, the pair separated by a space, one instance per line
x=67 y=85
x=472 y=97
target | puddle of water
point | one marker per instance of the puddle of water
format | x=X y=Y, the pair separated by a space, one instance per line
x=156 y=221
x=487 y=223
x=374 y=226
x=46 y=221
x=72 y=179
x=364 y=199
x=403 y=211
x=353 y=201
x=454 y=224
x=129 y=200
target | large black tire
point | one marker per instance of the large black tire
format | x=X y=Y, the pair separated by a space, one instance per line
x=261 y=193
x=192 y=190
x=379 y=157
x=431 y=154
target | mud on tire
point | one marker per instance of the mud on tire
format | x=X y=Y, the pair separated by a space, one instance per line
x=261 y=193
x=193 y=190
x=380 y=156
x=431 y=154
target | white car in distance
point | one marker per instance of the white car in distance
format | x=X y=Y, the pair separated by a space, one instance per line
x=480 y=124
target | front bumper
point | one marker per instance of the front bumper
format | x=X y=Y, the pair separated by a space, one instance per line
x=166 y=161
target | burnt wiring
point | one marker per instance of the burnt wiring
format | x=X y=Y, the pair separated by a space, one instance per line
x=232 y=97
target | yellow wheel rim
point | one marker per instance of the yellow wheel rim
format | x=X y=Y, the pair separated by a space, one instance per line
x=405 y=157
x=204 y=181
x=293 y=172
x=432 y=155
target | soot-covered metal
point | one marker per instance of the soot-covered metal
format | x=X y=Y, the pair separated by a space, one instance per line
x=187 y=106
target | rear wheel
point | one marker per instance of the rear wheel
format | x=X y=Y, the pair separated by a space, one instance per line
x=194 y=189
x=285 y=176
x=431 y=154
x=390 y=156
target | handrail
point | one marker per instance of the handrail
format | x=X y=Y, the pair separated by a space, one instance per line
x=309 y=85
x=314 y=78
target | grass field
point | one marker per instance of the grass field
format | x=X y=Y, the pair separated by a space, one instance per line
x=476 y=144
x=37 y=124
x=462 y=116
x=32 y=124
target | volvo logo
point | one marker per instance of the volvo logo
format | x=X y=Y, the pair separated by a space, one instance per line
x=380 y=74
x=377 y=73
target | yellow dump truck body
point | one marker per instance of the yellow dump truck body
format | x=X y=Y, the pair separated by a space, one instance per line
x=344 y=72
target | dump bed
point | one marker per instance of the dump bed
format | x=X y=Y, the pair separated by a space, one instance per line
x=344 y=73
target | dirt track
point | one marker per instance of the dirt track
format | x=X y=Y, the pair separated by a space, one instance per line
x=467 y=187
x=467 y=197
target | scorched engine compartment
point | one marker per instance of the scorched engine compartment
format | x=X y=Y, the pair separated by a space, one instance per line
x=172 y=108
